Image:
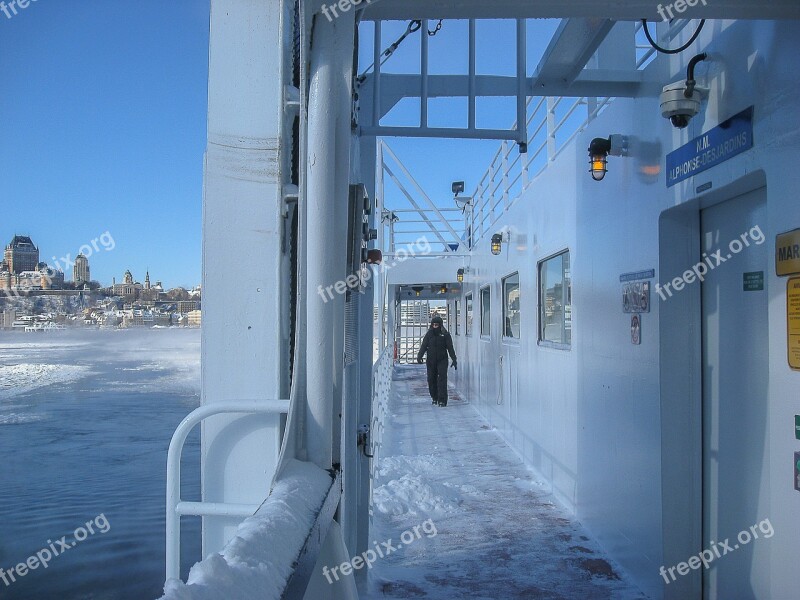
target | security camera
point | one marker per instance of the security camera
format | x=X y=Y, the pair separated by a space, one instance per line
x=680 y=101
x=676 y=106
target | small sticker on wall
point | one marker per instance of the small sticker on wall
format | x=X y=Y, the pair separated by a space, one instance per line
x=636 y=329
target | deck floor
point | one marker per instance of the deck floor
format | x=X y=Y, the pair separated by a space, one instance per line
x=487 y=529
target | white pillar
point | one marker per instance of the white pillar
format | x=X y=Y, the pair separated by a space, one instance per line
x=243 y=349
x=329 y=112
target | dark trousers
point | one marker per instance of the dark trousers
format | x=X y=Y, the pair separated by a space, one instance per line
x=437 y=380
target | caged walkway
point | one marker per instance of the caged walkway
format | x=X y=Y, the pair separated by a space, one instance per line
x=486 y=528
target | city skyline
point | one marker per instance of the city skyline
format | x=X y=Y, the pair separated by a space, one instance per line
x=70 y=265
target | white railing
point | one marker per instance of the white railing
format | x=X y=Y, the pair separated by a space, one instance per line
x=177 y=508
x=381 y=387
x=508 y=177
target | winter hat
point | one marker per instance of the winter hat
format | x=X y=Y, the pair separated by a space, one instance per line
x=437 y=319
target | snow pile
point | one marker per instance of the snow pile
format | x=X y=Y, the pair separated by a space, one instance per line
x=258 y=561
x=411 y=494
x=19 y=379
x=409 y=486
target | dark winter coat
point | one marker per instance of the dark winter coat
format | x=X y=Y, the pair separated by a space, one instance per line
x=437 y=344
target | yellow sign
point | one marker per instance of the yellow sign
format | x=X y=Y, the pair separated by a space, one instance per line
x=787 y=253
x=793 y=320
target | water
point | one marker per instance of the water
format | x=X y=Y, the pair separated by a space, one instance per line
x=85 y=423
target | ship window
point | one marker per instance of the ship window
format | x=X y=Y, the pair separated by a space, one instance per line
x=457 y=305
x=511 y=327
x=486 y=311
x=468 y=301
x=555 y=301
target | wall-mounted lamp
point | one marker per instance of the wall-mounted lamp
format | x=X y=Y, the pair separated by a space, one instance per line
x=600 y=149
x=497 y=243
x=460 y=275
x=443 y=289
x=417 y=290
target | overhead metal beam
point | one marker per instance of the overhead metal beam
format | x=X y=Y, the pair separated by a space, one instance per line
x=571 y=47
x=607 y=9
x=590 y=82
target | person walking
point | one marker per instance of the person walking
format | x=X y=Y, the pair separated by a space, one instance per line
x=437 y=343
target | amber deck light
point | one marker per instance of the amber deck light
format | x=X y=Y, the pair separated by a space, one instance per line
x=598 y=157
x=460 y=275
x=497 y=243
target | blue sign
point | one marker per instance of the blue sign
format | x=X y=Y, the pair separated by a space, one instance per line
x=717 y=145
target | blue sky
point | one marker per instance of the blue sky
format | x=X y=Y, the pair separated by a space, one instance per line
x=103 y=126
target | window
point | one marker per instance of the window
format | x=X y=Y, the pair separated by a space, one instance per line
x=555 y=301
x=486 y=311
x=468 y=300
x=511 y=306
x=457 y=304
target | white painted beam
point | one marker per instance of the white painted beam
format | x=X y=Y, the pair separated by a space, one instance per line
x=551 y=9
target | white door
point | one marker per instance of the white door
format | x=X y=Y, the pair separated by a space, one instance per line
x=735 y=353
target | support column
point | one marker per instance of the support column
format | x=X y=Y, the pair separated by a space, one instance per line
x=328 y=174
x=243 y=349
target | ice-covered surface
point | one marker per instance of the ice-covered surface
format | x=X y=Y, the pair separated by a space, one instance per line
x=17 y=379
x=257 y=563
x=30 y=362
x=85 y=421
x=500 y=535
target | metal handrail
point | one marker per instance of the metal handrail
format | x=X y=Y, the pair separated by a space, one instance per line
x=175 y=507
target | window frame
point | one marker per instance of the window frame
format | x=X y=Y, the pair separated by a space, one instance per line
x=457 y=315
x=488 y=321
x=510 y=338
x=566 y=298
x=469 y=312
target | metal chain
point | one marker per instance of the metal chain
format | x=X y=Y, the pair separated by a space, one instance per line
x=437 y=29
x=413 y=27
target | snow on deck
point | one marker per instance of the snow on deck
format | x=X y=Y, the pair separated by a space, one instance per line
x=486 y=528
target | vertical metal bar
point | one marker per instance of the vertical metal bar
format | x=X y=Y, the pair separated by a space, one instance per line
x=505 y=174
x=379 y=283
x=376 y=76
x=471 y=125
x=522 y=80
x=551 y=128
x=423 y=59
x=591 y=107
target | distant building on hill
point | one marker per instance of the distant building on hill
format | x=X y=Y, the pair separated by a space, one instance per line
x=21 y=255
x=80 y=270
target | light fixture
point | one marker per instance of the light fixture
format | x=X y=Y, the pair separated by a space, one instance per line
x=497 y=243
x=600 y=148
x=460 y=275
x=457 y=187
x=417 y=290
x=443 y=289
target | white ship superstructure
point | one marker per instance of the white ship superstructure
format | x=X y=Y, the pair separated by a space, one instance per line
x=621 y=284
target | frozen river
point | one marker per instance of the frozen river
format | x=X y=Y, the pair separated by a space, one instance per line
x=85 y=422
